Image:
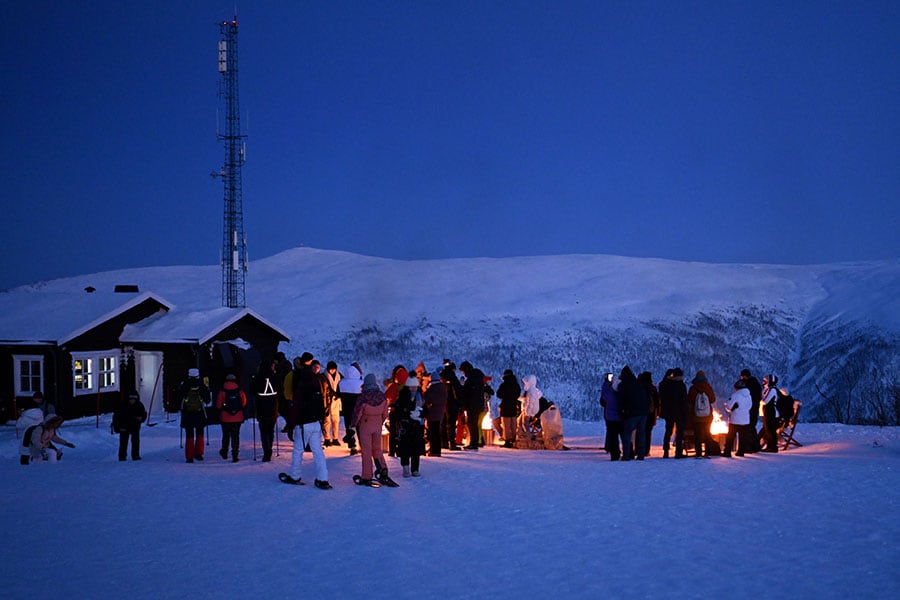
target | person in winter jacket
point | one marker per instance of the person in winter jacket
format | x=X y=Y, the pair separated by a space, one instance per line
x=770 y=413
x=752 y=384
x=701 y=413
x=351 y=387
x=454 y=407
x=127 y=419
x=30 y=417
x=674 y=408
x=38 y=439
x=634 y=403
x=368 y=419
x=305 y=420
x=738 y=407
x=615 y=427
x=646 y=379
x=473 y=402
x=410 y=433
x=530 y=404
x=435 y=407
x=195 y=400
x=265 y=393
x=399 y=375
x=508 y=392
x=332 y=404
x=231 y=397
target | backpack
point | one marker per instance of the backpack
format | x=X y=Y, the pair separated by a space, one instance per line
x=193 y=402
x=701 y=405
x=232 y=404
x=784 y=404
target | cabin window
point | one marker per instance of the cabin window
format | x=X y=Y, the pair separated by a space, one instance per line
x=95 y=372
x=29 y=374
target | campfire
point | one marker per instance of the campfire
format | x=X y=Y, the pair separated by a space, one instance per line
x=718 y=426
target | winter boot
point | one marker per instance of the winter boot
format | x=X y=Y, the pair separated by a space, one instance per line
x=323 y=485
x=406 y=471
x=385 y=479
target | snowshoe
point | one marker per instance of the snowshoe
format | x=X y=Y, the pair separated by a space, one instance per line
x=368 y=482
x=385 y=479
x=285 y=478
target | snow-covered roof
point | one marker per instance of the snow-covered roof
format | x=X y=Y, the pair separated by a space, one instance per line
x=196 y=326
x=38 y=317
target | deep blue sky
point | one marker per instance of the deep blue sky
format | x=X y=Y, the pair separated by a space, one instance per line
x=712 y=131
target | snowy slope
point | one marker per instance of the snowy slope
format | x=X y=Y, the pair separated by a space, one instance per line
x=566 y=318
x=814 y=522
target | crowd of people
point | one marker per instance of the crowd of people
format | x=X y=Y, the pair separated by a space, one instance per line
x=633 y=404
x=425 y=413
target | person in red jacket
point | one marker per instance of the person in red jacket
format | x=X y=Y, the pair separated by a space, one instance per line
x=231 y=402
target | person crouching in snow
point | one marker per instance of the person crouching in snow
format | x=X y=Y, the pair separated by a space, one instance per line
x=40 y=438
x=550 y=420
x=368 y=418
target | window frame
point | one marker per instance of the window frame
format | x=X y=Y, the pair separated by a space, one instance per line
x=18 y=359
x=95 y=373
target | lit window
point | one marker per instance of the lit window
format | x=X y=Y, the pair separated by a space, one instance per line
x=95 y=371
x=109 y=367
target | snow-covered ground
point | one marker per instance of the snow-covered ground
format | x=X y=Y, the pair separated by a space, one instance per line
x=821 y=521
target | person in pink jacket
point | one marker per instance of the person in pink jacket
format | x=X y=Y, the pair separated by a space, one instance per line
x=369 y=415
x=231 y=402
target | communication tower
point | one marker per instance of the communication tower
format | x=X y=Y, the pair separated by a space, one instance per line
x=234 y=242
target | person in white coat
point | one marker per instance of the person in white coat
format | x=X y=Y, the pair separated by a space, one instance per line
x=738 y=408
x=531 y=403
x=29 y=418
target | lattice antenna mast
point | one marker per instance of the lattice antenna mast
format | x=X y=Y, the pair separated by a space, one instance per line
x=234 y=242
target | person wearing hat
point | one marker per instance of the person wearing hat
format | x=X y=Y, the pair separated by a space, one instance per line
x=473 y=402
x=127 y=419
x=195 y=398
x=305 y=420
x=701 y=398
x=368 y=418
x=231 y=402
x=29 y=418
x=508 y=393
x=769 y=432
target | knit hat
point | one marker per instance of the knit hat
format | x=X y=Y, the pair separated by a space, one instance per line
x=745 y=373
x=331 y=365
x=194 y=373
x=306 y=357
x=133 y=395
x=370 y=382
x=230 y=377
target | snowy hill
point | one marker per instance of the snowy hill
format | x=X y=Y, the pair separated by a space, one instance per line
x=826 y=329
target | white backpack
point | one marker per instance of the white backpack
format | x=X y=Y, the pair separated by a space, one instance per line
x=701 y=405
